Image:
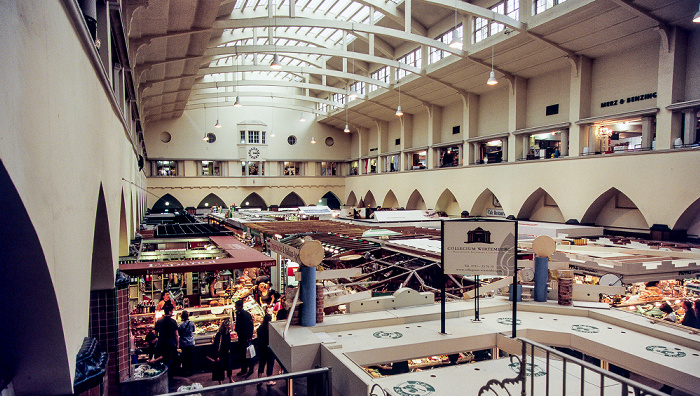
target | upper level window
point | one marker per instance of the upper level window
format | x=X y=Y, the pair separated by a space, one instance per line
x=328 y=169
x=339 y=98
x=291 y=168
x=381 y=75
x=358 y=87
x=483 y=28
x=412 y=58
x=253 y=137
x=323 y=107
x=541 y=5
x=446 y=38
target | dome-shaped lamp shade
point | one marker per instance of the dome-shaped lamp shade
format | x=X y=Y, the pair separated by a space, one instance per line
x=347 y=129
x=237 y=103
x=217 y=125
x=492 y=79
x=399 y=112
x=313 y=140
x=275 y=65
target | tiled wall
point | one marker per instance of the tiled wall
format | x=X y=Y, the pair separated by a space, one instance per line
x=109 y=325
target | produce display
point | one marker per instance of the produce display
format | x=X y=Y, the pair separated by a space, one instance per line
x=145 y=370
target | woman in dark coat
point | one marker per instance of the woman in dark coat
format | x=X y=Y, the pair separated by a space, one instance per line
x=689 y=318
x=265 y=355
x=222 y=349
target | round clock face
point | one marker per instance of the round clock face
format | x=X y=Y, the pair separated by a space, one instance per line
x=253 y=152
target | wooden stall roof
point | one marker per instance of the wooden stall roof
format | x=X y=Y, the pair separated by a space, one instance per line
x=240 y=256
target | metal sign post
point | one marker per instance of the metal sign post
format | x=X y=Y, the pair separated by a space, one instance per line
x=442 y=281
x=515 y=283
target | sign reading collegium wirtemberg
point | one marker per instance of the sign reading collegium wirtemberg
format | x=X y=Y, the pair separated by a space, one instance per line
x=478 y=247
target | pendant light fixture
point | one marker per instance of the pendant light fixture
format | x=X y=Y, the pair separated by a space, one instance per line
x=399 y=112
x=492 y=77
x=353 y=92
x=302 y=118
x=456 y=42
x=347 y=129
x=275 y=64
x=313 y=140
x=217 y=125
x=206 y=136
x=237 y=102
x=696 y=18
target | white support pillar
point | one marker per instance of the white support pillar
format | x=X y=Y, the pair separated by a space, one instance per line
x=592 y=129
x=670 y=85
x=526 y=145
x=564 y=149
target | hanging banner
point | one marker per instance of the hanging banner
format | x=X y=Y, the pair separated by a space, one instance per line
x=479 y=247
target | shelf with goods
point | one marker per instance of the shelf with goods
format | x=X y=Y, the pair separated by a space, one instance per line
x=207 y=320
x=140 y=325
x=383 y=370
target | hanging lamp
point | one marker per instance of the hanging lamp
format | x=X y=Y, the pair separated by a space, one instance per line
x=302 y=118
x=456 y=42
x=399 y=112
x=492 y=77
x=217 y=125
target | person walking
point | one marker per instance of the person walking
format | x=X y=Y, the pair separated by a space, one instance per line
x=244 y=331
x=222 y=348
x=167 y=339
x=265 y=355
x=186 y=332
x=689 y=318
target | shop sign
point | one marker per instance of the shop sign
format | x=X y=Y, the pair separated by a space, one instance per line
x=495 y=212
x=414 y=388
x=478 y=247
x=666 y=351
x=393 y=335
x=629 y=99
x=285 y=250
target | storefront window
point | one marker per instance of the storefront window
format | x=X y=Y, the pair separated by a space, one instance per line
x=328 y=169
x=252 y=168
x=544 y=145
x=211 y=168
x=354 y=168
x=419 y=160
x=370 y=165
x=291 y=168
x=392 y=163
x=491 y=152
x=166 y=168
x=620 y=137
x=449 y=156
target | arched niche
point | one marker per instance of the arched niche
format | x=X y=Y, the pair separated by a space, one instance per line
x=369 y=200
x=254 y=201
x=331 y=200
x=390 y=201
x=167 y=204
x=34 y=354
x=416 y=201
x=211 y=200
x=689 y=222
x=487 y=204
x=102 y=272
x=540 y=206
x=292 y=200
x=448 y=203
x=615 y=210
x=352 y=200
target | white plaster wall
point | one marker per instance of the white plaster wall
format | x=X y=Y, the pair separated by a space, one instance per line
x=60 y=140
x=451 y=117
x=493 y=111
x=626 y=73
x=692 y=81
x=420 y=129
x=187 y=132
x=545 y=90
x=372 y=142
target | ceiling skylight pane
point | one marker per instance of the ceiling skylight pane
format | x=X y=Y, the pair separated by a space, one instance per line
x=337 y=8
x=361 y=15
x=352 y=9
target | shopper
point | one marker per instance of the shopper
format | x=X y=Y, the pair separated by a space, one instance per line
x=696 y=305
x=244 y=331
x=279 y=311
x=222 y=349
x=265 y=355
x=689 y=318
x=668 y=312
x=168 y=339
x=186 y=332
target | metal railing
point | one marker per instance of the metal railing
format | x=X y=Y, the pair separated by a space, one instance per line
x=316 y=382
x=589 y=378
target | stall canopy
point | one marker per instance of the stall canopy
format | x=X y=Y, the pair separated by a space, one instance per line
x=240 y=256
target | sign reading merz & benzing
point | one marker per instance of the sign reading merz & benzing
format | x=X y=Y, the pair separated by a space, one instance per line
x=479 y=247
x=630 y=99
